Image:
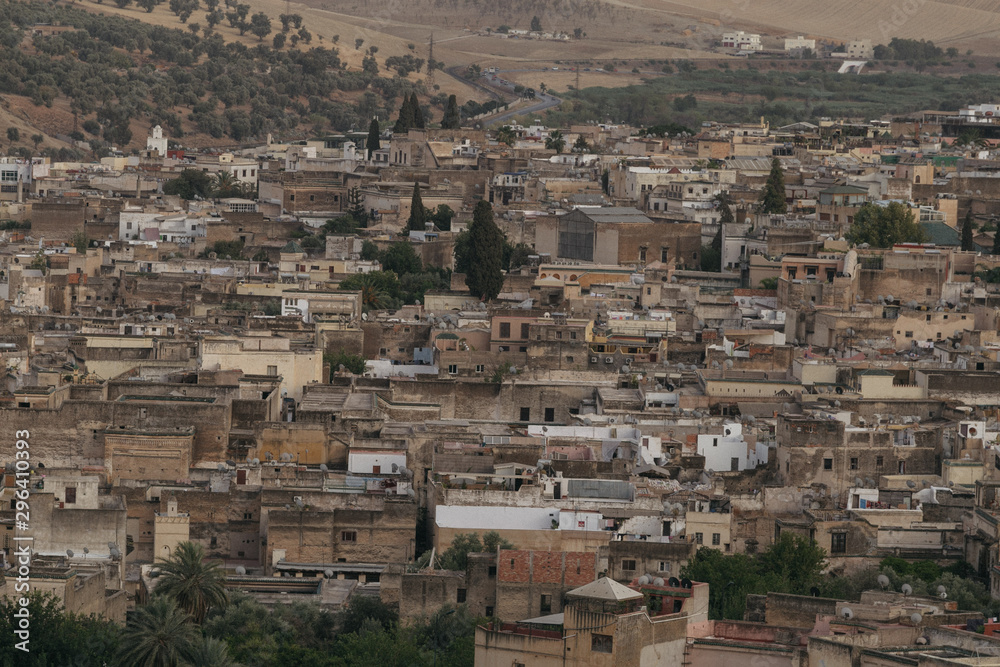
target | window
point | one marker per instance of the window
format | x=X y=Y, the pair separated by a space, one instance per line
x=70 y=495
x=909 y=334
x=854 y=463
x=489 y=614
x=460 y=598
x=879 y=461
x=716 y=539
x=699 y=538
x=642 y=251
x=663 y=255
x=545 y=607
x=838 y=543
x=492 y=572
x=601 y=643
x=505 y=329
x=827 y=464
x=550 y=414
x=628 y=564
x=524 y=330
x=248 y=516
x=525 y=414
x=452 y=369
x=902 y=467
x=348 y=536
x=272 y=370
x=664 y=566
x=480 y=368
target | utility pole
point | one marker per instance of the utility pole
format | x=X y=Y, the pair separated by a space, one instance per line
x=578 y=78
x=431 y=65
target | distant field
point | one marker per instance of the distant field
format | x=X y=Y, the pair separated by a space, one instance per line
x=780 y=97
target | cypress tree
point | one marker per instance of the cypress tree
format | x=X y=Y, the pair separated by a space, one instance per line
x=967 y=242
x=451 y=121
x=772 y=197
x=418 y=214
x=485 y=275
x=373 y=143
x=405 y=120
x=418 y=115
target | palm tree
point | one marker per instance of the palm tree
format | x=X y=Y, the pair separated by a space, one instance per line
x=196 y=585
x=555 y=141
x=224 y=183
x=505 y=135
x=373 y=292
x=158 y=635
x=210 y=652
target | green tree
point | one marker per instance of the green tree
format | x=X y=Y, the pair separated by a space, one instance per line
x=80 y=242
x=792 y=561
x=376 y=287
x=405 y=119
x=996 y=243
x=772 y=197
x=356 y=206
x=189 y=184
x=56 y=637
x=536 y=24
x=362 y=608
x=769 y=283
x=193 y=583
x=418 y=214
x=967 y=232
x=260 y=25
x=730 y=579
x=581 y=145
x=369 y=251
x=354 y=363
x=13 y=135
x=209 y=652
x=885 y=226
x=506 y=135
x=442 y=217
x=373 y=143
x=555 y=141
x=452 y=120
x=37 y=139
x=484 y=275
x=418 y=115
x=724 y=204
x=158 y=634
x=401 y=259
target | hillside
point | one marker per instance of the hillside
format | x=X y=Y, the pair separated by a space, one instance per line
x=105 y=79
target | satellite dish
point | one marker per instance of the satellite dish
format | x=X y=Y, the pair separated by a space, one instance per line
x=847 y=613
x=86 y=551
x=883 y=581
x=240 y=570
x=907 y=589
x=328 y=573
x=916 y=617
x=658 y=581
x=674 y=582
x=911 y=484
x=643 y=580
x=69 y=552
x=324 y=467
x=299 y=503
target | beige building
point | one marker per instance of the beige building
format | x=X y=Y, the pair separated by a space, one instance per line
x=265 y=354
x=169 y=530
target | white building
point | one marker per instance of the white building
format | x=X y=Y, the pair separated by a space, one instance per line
x=157 y=142
x=860 y=49
x=730 y=451
x=743 y=41
x=800 y=42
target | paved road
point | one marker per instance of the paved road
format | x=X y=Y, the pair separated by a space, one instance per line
x=544 y=102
